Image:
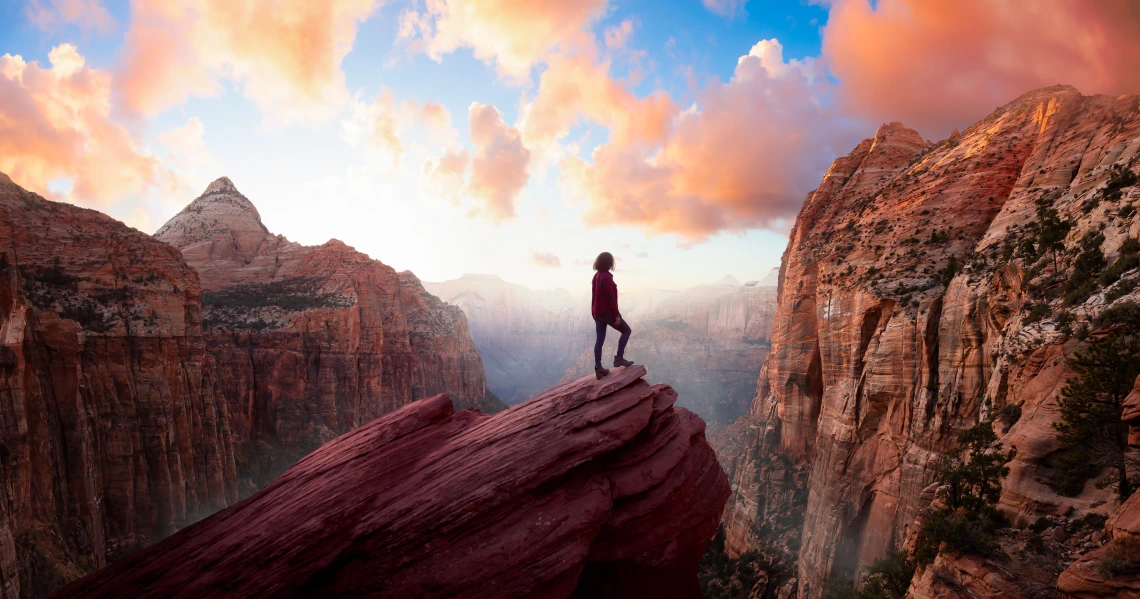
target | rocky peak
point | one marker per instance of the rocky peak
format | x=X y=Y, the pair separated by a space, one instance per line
x=223 y=219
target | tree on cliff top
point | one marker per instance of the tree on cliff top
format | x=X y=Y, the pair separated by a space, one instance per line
x=1091 y=405
x=970 y=477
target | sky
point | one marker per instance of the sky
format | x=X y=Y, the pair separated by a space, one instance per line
x=516 y=137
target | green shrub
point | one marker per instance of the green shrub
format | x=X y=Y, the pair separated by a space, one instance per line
x=1036 y=312
x=971 y=476
x=1009 y=414
x=1120 y=290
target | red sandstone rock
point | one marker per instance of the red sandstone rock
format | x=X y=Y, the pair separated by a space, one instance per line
x=593 y=489
x=876 y=364
x=313 y=341
x=113 y=434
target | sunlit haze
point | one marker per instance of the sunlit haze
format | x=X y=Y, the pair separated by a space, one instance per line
x=512 y=138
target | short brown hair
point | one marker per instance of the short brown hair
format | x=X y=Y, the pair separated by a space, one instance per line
x=604 y=261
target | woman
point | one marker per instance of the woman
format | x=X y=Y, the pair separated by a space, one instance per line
x=604 y=308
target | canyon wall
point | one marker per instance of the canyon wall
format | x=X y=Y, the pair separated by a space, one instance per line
x=592 y=489
x=313 y=341
x=113 y=432
x=904 y=317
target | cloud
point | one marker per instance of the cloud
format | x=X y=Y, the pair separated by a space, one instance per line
x=445 y=176
x=546 y=259
x=513 y=35
x=286 y=54
x=89 y=14
x=499 y=166
x=577 y=86
x=55 y=124
x=725 y=8
x=382 y=125
x=618 y=36
x=940 y=65
x=742 y=157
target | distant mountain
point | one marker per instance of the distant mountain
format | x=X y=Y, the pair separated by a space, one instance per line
x=313 y=341
x=531 y=339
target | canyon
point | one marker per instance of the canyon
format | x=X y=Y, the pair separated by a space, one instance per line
x=707 y=341
x=144 y=388
x=617 y=496
x=313 y=341
x=906 y=314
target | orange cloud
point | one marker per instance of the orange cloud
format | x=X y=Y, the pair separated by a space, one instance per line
x=513 y=35
x=618 y=36
x=55 y=125
x=939 y=65
x=578 y=86
x=499 y=166
x=546 y=259
x=285 y=53
x=742 y=157
x=48 y=14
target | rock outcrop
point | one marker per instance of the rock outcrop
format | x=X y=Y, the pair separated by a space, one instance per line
x=708 y=340
x=904 y=317
x=593 y=489
x=313 y=341
x=113 y=432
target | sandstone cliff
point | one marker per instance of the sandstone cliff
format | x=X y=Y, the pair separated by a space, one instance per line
x=907 y=312
x=313 y=341
x=593 y=489
x=113 y=432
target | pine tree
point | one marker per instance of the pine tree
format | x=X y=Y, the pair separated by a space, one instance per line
x=1051 y=229
x=1091 y=405
x=970 y=475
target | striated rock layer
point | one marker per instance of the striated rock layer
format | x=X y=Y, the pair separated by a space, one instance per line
x=902 y=320
x=593 y=489
x=313 y=341
x=112 y=430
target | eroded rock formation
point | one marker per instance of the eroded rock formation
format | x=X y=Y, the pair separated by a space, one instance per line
x=903 y=318
x=593 y=489
x=114 y=433
x=313 y=341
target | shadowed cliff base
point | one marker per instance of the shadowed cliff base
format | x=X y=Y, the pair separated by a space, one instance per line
x=595 y=488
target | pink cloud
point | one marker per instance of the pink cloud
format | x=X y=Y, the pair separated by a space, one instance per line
x=87 y=14
x=940 y=65
x=513 y=35
x=286 y=54
x=545 y=259
x=742 y=157
x=499 y=165
x=55 y=124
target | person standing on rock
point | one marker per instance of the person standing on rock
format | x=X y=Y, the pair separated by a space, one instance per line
x=604 y=308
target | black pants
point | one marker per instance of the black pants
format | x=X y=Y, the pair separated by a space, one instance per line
x=601 y=325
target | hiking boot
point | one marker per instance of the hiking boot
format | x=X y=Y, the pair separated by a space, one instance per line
x=620 y=361
x=600 y=372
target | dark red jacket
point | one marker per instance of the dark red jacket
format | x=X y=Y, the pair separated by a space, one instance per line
x=604 y=305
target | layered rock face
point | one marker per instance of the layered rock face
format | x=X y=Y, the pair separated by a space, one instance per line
x=114 y=433
x=312 y=342
x=593 y=489
x=902 y=319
